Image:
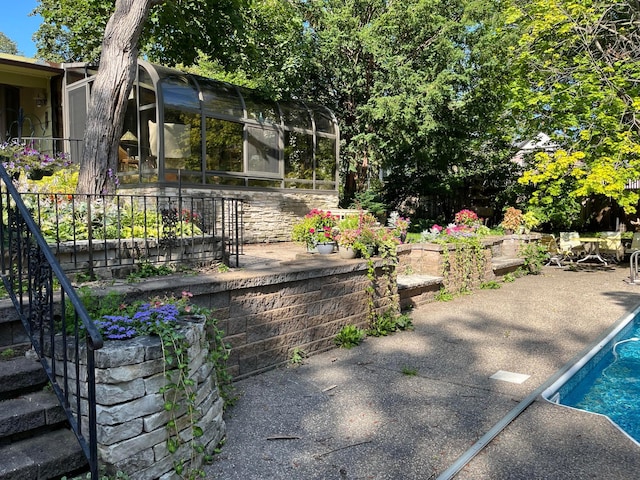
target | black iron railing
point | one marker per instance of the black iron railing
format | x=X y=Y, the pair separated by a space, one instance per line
x=90 y=233
x=61 y=332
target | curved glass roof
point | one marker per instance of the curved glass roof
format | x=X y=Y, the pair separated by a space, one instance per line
x=196 y=130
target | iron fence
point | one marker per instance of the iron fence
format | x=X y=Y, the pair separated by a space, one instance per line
x=62 y=334
x=101 y=235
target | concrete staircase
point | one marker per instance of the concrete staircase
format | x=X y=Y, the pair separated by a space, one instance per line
x=35 y=440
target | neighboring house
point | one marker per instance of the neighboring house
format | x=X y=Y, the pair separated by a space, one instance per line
x=540 y=143
x=188 y=133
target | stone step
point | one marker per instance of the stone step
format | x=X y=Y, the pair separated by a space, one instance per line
x=33 y=411
x=415 y=290
x=48 y=456
x=406 y=282
x=502 y=265
x=19 y=375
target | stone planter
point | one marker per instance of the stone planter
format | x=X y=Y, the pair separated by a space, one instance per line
x=131 y=418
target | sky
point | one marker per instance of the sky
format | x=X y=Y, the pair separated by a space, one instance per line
x=16 y=24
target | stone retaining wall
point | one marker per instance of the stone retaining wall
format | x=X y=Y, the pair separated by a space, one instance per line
x=457 y=271
x=268 y=313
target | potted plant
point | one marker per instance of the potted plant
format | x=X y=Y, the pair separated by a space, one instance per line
x=316 y=228
x=349 y=242
x=359 y=233
x=399 y=225
x=513 y=221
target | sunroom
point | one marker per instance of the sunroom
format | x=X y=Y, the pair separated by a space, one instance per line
x=187 y=130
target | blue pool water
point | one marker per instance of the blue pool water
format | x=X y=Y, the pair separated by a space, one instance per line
x=607 y=379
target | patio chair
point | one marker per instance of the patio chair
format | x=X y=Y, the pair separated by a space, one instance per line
x=635 y=244
x=570 y=246
x=555 y=256
x=611 y=246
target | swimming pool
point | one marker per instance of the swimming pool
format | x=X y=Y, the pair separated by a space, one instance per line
x=606 y=380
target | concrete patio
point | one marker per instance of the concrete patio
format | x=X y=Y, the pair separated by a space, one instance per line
x=408 y=405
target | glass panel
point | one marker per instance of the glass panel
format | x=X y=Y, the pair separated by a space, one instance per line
x=263 y=150
x=182 y=140
x=260 y=110
x=298 y=184
x=147 y=92
x=224 y=145
x=178 y=90
x=295 y=115
x=326 y=159
x=222 y=180
x=220 y=98
x=324 y=121
x=74 y=75
x=148 y=160
x=298 y=155
x=128 y=151
x=265 y=183
x=77 y=112
x=326 y=186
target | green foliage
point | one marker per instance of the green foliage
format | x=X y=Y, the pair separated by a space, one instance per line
x=349 y=336
x=490 y=285
x=389 y=322
x=7 y=45
x=7 y=353
x=147 y=269
x=175 y=31
x=297 y=356
x=382 y=325
x=578 y=64
x=370 y=202
x=534 y=256
x=409 y=371
x=508 y=277
x=443 y=296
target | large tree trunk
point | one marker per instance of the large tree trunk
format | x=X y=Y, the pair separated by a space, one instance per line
x=109 y=96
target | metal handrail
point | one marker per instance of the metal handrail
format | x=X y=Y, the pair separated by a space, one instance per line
x=61 y=332
x=634 y=267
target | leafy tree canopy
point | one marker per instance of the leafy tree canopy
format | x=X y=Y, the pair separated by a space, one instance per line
x=578 y=80
x=175 y=31
x=7 y=45
x=419 y=87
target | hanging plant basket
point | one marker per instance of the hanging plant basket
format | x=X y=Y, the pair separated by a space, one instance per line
x=39 y=174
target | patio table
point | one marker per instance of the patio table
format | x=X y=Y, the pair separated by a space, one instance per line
x=593 y=250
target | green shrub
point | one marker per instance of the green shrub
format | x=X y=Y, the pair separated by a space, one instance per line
x=534 y=256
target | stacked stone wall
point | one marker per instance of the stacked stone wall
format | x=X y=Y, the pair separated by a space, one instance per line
x=131 y=417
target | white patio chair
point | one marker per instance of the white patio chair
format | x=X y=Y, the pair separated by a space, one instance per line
x=635 y=244
x=611 y=246
x=570 y=245
x=555 y=256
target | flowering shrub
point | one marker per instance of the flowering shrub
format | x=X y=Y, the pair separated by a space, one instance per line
x=399 y=225
x=466 y=224
x=512 y=219
x=467 y=218
x=22 y=158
